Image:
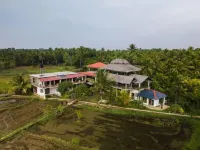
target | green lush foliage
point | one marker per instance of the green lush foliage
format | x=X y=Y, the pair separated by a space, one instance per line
x=79 y=115
x=64 y=87
x=60 y=109
x=20 y=84
x=194 y=142
x=174 y=72
x=123 y=98
x=136 y=104
x=81 y=92
x=175 y=109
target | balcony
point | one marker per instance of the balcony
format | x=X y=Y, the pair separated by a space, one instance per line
x=128 y=87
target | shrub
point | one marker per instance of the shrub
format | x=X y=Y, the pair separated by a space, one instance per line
x=81 y=91
x=176 y=109
x=158 y=122
x=64 y=87
x=136 y=104
x=75 y=141
x=60 y=109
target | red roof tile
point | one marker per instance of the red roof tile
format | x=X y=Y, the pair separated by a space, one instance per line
x=70 y=76
x=88 y=73
x=96 y=65
x=49 y=79
x=75 y=75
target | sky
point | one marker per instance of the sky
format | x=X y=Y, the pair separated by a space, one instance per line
x=112 y=24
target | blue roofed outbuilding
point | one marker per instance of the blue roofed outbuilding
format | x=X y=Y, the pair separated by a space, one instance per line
x=152 y=96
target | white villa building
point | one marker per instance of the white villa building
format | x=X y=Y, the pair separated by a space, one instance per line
x=47 y=84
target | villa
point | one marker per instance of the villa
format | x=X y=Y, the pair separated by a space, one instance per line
x=125 y=76
x=47 y=83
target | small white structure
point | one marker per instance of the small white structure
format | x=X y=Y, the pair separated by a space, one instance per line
x=47 y=84
x=151 y=97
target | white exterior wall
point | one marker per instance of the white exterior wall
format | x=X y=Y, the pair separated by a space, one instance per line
x=39 y=93
x=54 y=91
x=156 y=102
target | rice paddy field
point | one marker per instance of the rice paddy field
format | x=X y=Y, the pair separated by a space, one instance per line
x=6 y=75
x=95 y=130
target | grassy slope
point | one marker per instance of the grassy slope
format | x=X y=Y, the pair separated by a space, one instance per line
x=6 y=75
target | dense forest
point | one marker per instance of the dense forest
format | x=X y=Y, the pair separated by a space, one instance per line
x=174 y=72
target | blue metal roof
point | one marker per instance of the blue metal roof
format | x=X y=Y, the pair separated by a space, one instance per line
x=151 y=94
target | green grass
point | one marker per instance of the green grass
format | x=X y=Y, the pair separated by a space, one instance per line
x=6 y=75
x=193 y=143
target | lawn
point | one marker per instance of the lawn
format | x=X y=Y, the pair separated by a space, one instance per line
x=6 y=75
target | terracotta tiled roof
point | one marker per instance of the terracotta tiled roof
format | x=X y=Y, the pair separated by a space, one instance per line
x=75 y=75
x=70 y=76
x=96 y=65
x=89 y=73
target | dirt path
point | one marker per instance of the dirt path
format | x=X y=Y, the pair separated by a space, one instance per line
x=134 y=109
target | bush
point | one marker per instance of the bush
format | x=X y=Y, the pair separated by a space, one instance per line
x=75 y=141
x=64 y=87
x=60 y=109
x=136 y=104
x=81 y=91
x=176 y=109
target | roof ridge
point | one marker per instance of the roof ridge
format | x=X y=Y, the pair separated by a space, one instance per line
x=154 y=94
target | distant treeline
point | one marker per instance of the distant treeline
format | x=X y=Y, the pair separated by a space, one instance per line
x=175 y=72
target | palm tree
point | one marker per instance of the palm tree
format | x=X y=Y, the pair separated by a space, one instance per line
x=20 y=84
x=102 y=83
x=132 y=47
x=124 y=97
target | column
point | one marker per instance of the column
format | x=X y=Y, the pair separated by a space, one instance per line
x=163 y=100
x=148 y=84
x=147 y=101
x=130 y=94
x=59 y=81
x=125 y=86
x=139 y=85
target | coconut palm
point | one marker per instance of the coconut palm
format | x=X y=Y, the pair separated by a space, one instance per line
x=124 y=97
x=20 y=84
x=102 y=84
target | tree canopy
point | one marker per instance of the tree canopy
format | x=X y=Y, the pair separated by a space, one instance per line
x=168 y=68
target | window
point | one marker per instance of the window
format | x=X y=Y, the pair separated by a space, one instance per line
x=33 y=80
x=41 y=90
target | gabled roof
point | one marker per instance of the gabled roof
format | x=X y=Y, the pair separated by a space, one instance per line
x=119 y=61
x=151 y=94
x=134 y=78
x=96 y=65
x=139 y=78
x=121 y=68
x=121 y=78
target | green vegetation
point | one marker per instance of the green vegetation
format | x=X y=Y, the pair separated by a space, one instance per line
x=20 y=84
x=64 y=87
x=124 y=98
x=194 y=142
x=6 y=75
x=176 y=74
x=175 y=109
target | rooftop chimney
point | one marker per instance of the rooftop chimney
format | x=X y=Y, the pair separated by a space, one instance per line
x=41 y=69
